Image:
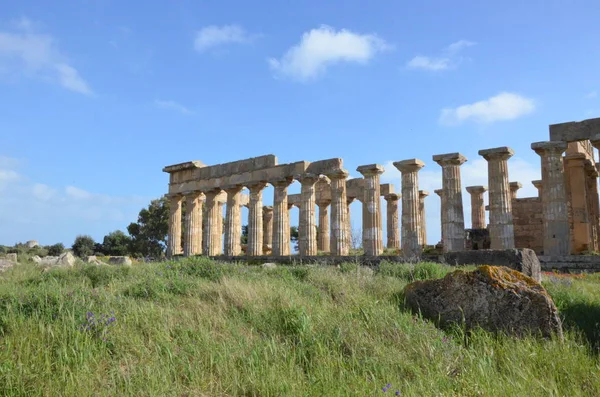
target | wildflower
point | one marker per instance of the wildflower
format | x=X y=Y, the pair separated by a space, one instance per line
x=397 y=392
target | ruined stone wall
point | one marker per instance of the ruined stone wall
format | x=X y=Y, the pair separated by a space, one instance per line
x=528 y=223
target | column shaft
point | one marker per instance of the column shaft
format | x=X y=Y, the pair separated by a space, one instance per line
x=477 y=206
x=323 y=240
x=411 y=227
x=339 y=237
x=174 y=236
x=307 y=243
x=233 y=222
x=372 y=233
x=211 y=234
x=267 y=230
x=193 y=224
x=393 y=229
x=255 y=220
x=281 y=227
x=422 y=215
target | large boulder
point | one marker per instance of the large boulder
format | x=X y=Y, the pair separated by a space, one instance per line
x=12 y=257
x=65 y=260
x=493 y=298
x=523 y=260
x=120 y=260
x=6 y=264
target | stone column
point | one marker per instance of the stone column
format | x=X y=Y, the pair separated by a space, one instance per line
x=514 y=188
x=307 y=242
x=233 y=222
x=281 y=216
x=501 y=228
x=339 y=237
x=349 y=231
x=454 y=221
x=477 y=207
x=220 y=227
x=174 y=236
x=574 y=168
x=372 y=233
x=255 y=220
x=214 y=218
x=323 y=239
x=440 y=192
x=267 y=229
x=393 y=228
x=423 y=238
x=554 y=203
x=192 y=244
x=538 y=185
x=411 y=227
x=593 y=204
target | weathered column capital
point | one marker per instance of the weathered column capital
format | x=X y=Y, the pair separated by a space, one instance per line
x=308 y=179
x=549 y=148
x=595 y=140
x=590 y=169
x=479 y=189
x=411 y=165
x=267 y=211
x=371 y=169
x=498 y=153
x=282 y=182
x=423 y=194
x=440 y=192
x=537 y=183
x=233 y=189
x=392 y=197
x=323 y=203
x=514 y=187
x=449 y=159
x=256 y=187
x=338 y=174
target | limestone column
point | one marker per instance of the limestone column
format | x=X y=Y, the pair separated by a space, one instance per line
x=393 y=228
x=220 y=227
x=501 y=228
x=554 y=204
x=593 y=204
x=349 y=231
x=192 y=244
x=440 y=193
x=174 y=236
x=538 y=185
x=233 y=222
x=477 y=207
x=574 y=167
x=267 y=229
x=307 y=243
x=422 y=195
x=339 y=237
x=514 y=188
x=323 y=239
x=214 y=217
x=454 y=221
x=372 y=233
x=411 y=227
x=255 y=220
x=281 y=216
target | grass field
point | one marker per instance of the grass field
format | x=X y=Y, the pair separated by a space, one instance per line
x=199 y=328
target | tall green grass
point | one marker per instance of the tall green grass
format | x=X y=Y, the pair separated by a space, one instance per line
x=200 y=328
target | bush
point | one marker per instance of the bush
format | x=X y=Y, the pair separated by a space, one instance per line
x=83 y=246
x=56 y=249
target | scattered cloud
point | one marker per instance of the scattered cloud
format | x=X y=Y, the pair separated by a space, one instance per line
x=53 y=214
x=591 y=95
x=320 y=48
x=27 y=53
x=449 y=58
x=502 y=107
x=473 y=172
x=214 y=36
x=172 y=105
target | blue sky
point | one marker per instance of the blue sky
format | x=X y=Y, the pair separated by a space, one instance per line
x=97 y=96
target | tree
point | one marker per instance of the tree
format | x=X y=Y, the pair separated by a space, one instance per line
x=56 y=249
x=116 y=243
x=149 y=233
x=83 y=246
x=294 y=235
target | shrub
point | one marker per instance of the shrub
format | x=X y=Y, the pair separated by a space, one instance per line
x=83 y=246
x=56 y=249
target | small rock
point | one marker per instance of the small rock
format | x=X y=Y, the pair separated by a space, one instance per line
x=91 y=258
x=493 y=298
x=36 y=259
x=269 y=265
x=120 y=260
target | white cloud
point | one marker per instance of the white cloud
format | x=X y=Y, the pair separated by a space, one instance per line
x=25 y=52
x=77 y=193
x=591 y=95
x=42 y=192
x=320 y=48
x=449 y=58
x=214 y=36
x=172 y=105
x=504 y=106
x=473 y=172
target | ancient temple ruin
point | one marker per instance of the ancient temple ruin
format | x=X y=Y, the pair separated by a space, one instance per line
x=564 y=218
